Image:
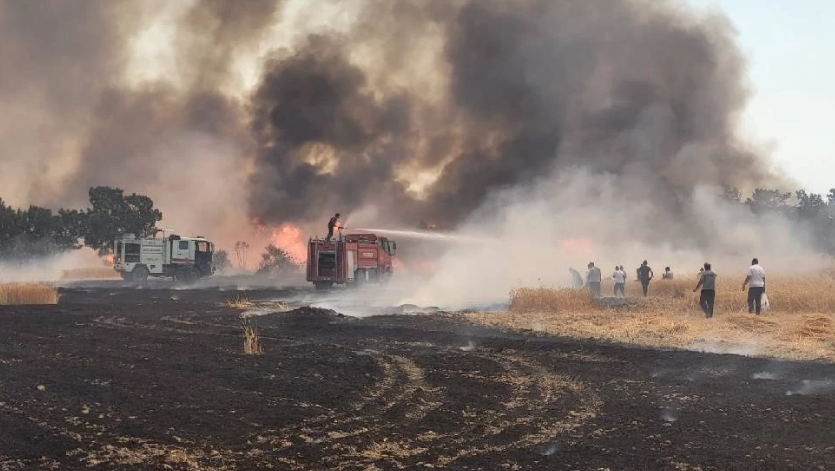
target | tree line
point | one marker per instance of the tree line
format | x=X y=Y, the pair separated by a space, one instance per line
x=37 y=232
x=812 y=211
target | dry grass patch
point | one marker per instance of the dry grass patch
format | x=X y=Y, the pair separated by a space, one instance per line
x=241 y=301
x=800 y=323
x=252 y=345
x=818 y=327
x=546 y=299
x=28 y=293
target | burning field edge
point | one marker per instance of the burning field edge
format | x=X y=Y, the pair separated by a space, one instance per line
x=800 y=325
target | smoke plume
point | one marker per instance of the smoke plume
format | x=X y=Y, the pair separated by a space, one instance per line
x=81 y=115
x=416 y=110
x=504 y=92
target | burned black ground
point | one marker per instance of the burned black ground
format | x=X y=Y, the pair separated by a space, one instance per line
x=118 y=378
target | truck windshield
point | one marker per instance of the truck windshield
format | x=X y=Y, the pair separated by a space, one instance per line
x=384 y=243
x=132 y=253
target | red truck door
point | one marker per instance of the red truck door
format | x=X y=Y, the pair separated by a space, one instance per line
x=341 y=264
x=323 y=261
x=312 y=256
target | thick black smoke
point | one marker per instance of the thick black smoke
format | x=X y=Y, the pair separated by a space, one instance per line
x=326 y=139
x=629 y=87
x=421 y=109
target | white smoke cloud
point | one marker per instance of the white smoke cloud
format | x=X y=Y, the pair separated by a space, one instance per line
x=532 y=235
x=49 y=269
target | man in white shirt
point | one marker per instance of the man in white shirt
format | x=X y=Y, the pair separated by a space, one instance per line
x=620 y=281
x=755 y=280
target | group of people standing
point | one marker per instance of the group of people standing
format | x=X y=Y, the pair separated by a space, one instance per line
x=594 y=278
x=644 y=274
x=754 y=281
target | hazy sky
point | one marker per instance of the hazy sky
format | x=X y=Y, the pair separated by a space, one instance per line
x=790 y=46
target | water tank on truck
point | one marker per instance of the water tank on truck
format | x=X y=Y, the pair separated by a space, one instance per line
x=351 y=260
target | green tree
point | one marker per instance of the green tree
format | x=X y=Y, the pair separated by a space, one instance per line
x=768 y=201
x=825 y=224
x=275 y=260
x=10 y=229
x=37 y=232
x=809 y=205
x=220 y=259
x=112 y=214
x=733 y=194
x=70 y=231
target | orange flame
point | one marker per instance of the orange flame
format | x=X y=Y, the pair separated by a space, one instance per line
x=287 y=237
x=577 y=245
x=108 y=259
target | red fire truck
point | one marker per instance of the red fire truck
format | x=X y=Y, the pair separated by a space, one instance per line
x=353 y=260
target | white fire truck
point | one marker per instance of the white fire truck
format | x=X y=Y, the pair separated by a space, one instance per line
x=182 y=258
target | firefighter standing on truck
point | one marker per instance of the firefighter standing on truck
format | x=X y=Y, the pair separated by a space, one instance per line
x=331 y=225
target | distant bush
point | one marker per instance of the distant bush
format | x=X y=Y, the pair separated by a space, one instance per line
x=220 y=259
x=276 y=261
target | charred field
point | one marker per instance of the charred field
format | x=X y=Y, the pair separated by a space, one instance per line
x=118 y=378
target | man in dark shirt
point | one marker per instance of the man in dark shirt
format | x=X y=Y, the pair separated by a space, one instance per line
x=331 y=225
x=645 y=275
x=593 y=280
x=707 y=281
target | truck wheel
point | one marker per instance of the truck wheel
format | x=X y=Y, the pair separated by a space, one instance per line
x=359 y=278
x=126 y=276
x=190 y=274
x=140 y=274
x=186 y=274
x=323 y=285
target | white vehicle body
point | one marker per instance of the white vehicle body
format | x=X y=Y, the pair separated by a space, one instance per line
x=178 y=257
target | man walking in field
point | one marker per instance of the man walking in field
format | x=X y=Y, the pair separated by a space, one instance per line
x=593 y=279
x=707 y=282
x=645 y=275
x=755 y=280
x=620 y=281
